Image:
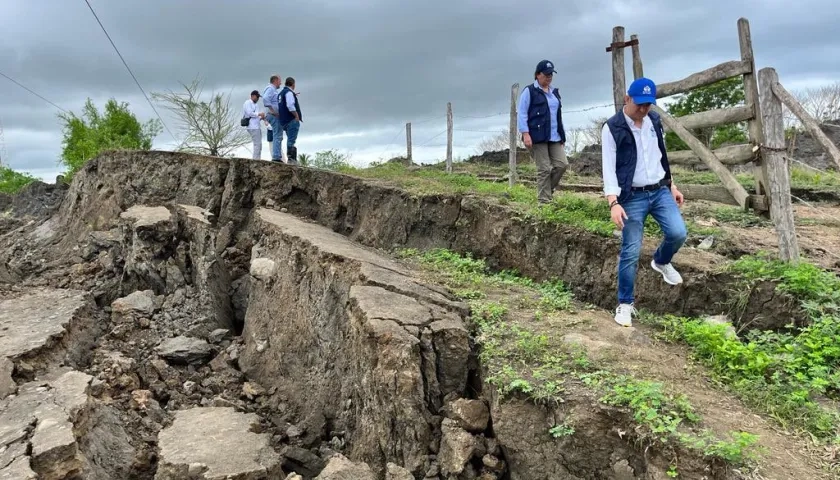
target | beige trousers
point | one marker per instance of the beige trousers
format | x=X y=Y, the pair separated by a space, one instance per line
x=550 y=158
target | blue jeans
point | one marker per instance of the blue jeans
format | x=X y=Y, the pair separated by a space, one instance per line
x=274 y=121
x=292 y=128
x=660 y=204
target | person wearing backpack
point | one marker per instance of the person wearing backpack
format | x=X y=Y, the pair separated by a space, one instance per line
x=290 y=118
x=638 y=183
x=540 y=123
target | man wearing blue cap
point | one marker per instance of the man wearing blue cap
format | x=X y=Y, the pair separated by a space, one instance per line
x=540 y=122
x=637 y=182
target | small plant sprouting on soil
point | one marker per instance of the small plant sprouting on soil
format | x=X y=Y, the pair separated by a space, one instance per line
x=522 y=360
x=562 y=430
x=784 y=373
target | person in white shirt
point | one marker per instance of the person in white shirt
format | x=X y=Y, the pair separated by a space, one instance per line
x=251 y=110
x=637 y=183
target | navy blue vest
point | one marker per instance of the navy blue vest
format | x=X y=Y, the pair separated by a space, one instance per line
x=285 y=115
x=539 y=120
x=625 y=150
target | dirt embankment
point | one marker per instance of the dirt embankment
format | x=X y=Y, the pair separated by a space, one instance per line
x=215 y=310
x=387 y=217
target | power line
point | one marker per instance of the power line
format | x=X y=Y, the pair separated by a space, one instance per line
x=129 y=69
x=430 y=139
x=32 y=92
x=3 y=157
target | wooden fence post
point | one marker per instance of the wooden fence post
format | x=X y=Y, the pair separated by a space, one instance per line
x=619 y=80
x=514 y=95
x=775 y=162
x=408 y=141
x=448 y=137
x=751 y=99
x=638 y=71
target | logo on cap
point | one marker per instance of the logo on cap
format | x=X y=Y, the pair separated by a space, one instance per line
x=549 y=65
x=646 y=90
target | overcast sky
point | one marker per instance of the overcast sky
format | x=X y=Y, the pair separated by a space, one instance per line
x=366 y=67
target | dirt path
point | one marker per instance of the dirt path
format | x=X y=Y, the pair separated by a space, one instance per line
x=633 y=351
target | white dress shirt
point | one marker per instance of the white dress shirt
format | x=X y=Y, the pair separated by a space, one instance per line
x=252 y=110
x=290 y=101
x=648 y=156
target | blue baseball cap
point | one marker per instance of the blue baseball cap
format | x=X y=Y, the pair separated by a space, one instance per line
x=545 y=67
x=642 y=90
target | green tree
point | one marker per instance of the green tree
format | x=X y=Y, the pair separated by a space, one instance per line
x=114 y=129
x=12 y=181
x=722 y=94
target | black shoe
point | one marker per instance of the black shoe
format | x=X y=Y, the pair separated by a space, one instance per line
x=291 y=153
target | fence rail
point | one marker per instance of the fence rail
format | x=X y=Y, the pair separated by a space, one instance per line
x=701 y=79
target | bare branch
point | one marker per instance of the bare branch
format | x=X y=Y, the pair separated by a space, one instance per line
x=209 y=127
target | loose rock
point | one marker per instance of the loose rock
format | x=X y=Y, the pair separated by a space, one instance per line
x=7 y=384
x=456 y=448
x=471 y=415
x=340 y=468
x=185 y=350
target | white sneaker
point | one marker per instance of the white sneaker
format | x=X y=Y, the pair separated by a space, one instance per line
x=624 y=314
x=668 y=272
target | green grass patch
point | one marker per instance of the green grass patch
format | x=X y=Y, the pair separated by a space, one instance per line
x=467 y=275
x=802 y=177
x=736 y=216
x=692 y=177
x=787 y=373
x=521 y=359
x=568 y=208
x=817 y=290
x=12 y=181
x=780 y=374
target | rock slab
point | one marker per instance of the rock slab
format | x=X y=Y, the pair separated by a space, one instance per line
x=39 y=319
x=41 y=420
x=215 y=443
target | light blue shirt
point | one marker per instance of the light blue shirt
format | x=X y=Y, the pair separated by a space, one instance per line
x=270 y=98
x=525 y=102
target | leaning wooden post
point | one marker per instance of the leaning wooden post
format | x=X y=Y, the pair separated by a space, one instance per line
x=709 y=158
x=619 y=80
x=751 y=99
x=514 y=94
x=781 y=210
x=808 y=121
x=448 y=137
x=638 y=71
x=408 y=141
